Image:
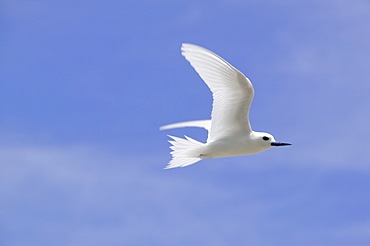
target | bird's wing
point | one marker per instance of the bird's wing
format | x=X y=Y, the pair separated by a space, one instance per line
x=196 y=123
x=232 y=92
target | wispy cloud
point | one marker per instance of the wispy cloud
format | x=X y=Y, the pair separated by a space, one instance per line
x=101 y=73
x=81 y=194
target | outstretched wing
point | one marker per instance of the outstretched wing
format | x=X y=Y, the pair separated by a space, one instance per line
x=232 y=92
x=206 y=124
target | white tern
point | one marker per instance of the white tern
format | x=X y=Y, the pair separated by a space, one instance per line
x=229 y=130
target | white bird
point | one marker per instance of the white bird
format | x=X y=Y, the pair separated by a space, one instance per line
x=229 y=130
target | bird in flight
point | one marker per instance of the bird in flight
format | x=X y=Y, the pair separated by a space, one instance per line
x=229 y=130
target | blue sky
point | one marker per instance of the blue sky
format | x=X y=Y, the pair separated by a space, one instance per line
x=85 y=86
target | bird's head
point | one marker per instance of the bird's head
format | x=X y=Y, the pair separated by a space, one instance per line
x=267 y=140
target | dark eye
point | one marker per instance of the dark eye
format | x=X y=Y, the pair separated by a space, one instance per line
x=266 y=138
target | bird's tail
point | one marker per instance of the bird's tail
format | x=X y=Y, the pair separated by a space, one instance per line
x=184 y=152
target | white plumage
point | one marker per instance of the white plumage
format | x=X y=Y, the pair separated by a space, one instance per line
x=229 y=130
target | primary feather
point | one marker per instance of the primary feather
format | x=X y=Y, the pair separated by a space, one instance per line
x=206 y=124
x=232 y=91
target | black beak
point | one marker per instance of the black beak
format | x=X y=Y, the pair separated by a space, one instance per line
x=279 y=144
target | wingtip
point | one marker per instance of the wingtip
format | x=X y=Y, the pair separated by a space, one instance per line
x=186 y=46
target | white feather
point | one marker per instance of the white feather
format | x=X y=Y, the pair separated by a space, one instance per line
x=206 y=124
x=232 y=92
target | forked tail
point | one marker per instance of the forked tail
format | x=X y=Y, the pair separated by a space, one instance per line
x=184 y=152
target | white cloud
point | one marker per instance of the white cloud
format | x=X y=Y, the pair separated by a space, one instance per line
x=87 y=195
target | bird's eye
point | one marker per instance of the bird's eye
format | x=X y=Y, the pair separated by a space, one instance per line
x=266 y=138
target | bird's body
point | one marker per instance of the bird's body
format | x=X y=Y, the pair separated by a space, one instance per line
x=229 y=130
x=235 y=146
